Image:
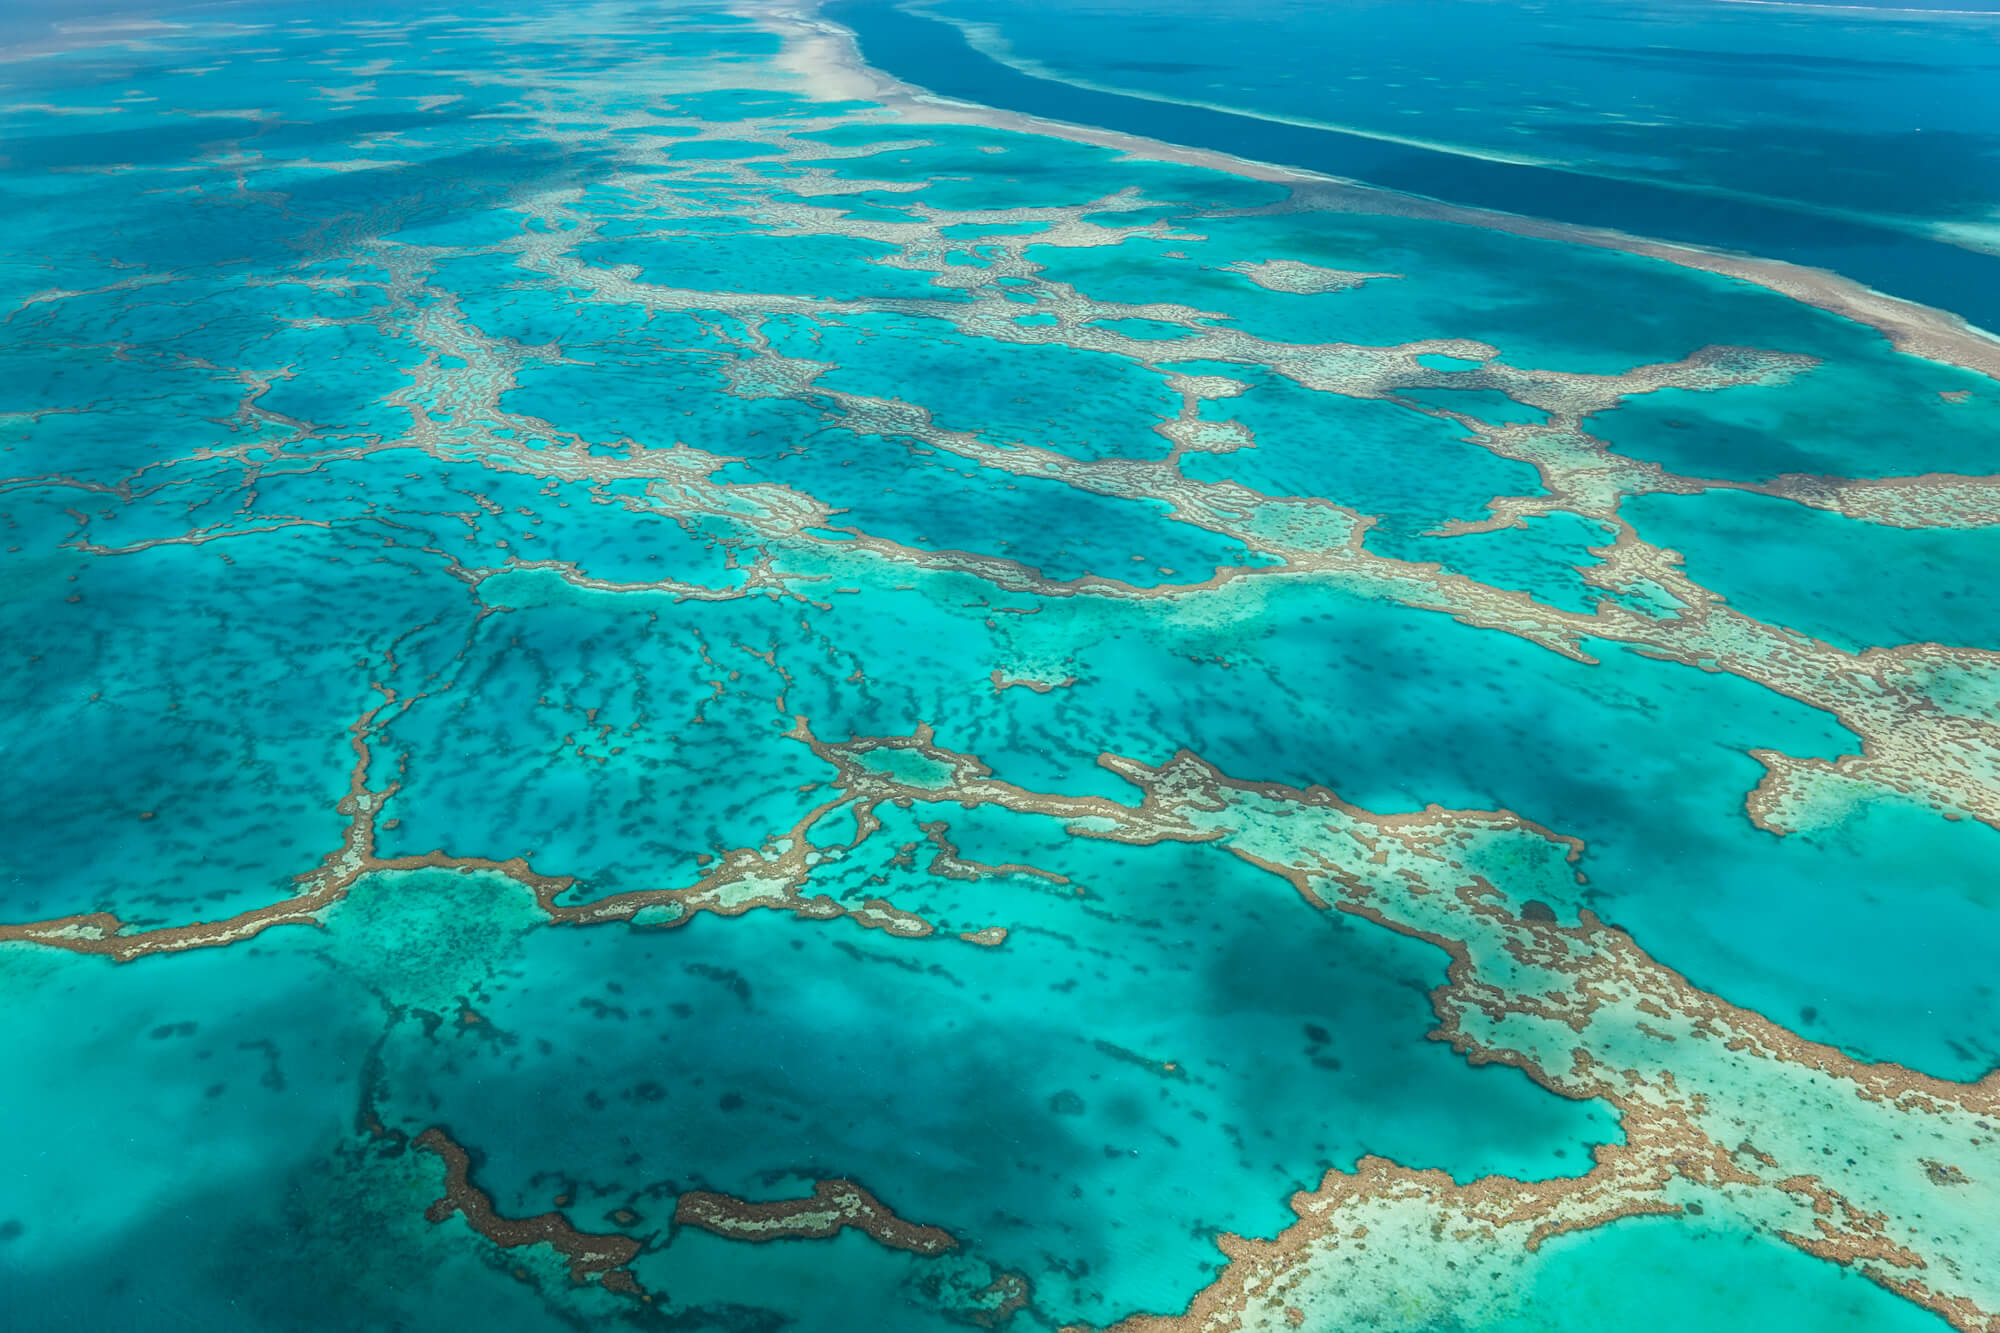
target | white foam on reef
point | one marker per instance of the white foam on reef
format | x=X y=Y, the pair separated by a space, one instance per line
x=826 y=58
x=1982 y=236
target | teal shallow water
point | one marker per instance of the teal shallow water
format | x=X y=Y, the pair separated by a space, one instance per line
x=512 y=475
x=1820 y=573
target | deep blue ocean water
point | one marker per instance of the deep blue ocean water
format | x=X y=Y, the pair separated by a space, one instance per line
x=1851 y=141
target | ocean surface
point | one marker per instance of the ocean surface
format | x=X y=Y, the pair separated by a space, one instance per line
x=650 y=684
x=1861 y=140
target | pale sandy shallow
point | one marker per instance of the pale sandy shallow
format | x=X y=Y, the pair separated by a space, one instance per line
x=826 y=57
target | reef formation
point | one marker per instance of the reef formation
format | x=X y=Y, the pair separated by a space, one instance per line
x=645 y=693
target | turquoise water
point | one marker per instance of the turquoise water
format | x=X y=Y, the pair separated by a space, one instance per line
x=570 y=596
x=1806 y=569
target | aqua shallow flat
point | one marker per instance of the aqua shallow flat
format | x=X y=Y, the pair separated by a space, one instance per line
x=651 y=681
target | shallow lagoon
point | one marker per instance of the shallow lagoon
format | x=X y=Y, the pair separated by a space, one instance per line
x=448 y=511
